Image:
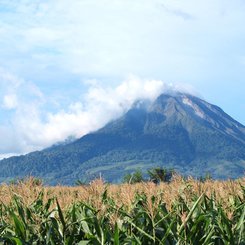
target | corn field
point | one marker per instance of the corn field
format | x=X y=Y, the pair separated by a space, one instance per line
x=180 y=212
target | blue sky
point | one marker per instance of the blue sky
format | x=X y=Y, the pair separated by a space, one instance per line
x=67 y=67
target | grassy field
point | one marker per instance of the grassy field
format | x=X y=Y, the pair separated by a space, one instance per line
x=185 y=211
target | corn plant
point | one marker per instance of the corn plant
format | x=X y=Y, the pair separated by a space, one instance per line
x=200 y=219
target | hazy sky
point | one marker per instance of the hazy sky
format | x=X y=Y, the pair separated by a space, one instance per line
x=67 y=67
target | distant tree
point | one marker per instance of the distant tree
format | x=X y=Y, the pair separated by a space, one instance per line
x=133 y=178
x=206 y=177
x=160 y=174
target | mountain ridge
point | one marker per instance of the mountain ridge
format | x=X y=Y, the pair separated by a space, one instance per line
x=176 y=130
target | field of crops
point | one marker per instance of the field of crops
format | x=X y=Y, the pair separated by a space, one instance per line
x=184 y=211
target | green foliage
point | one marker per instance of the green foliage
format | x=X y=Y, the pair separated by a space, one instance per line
x=206 y=177
x=160 y=174
x=200 y=221
x=155 y=175
x=135 y=177
x=80 y=182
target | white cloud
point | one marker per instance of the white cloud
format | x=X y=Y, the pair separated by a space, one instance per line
x=10 y=101
x=32 y=128
x=122 y=37
x=100 y=106
x=9 y=80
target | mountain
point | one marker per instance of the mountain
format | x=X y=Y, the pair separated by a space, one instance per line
x=177 y=130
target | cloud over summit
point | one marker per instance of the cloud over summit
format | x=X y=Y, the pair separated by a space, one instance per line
x=34 y=128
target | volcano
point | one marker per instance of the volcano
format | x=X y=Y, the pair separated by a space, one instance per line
x=177 y=130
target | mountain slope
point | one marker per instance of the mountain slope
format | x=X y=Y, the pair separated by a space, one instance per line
x=178 y=130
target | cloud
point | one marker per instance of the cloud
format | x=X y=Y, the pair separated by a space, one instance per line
x=8 y=79
x=10 y=101
x=8 y=87
x=32 y=127
x=177 y=12
x=101 y=104
x=102 y=38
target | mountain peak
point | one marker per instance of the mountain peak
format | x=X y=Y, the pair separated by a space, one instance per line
x=189 y=106
x=177 y=130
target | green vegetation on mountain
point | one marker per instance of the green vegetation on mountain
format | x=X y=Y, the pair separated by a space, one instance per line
x=176 y=131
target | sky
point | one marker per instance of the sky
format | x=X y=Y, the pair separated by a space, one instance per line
x=69 y=67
